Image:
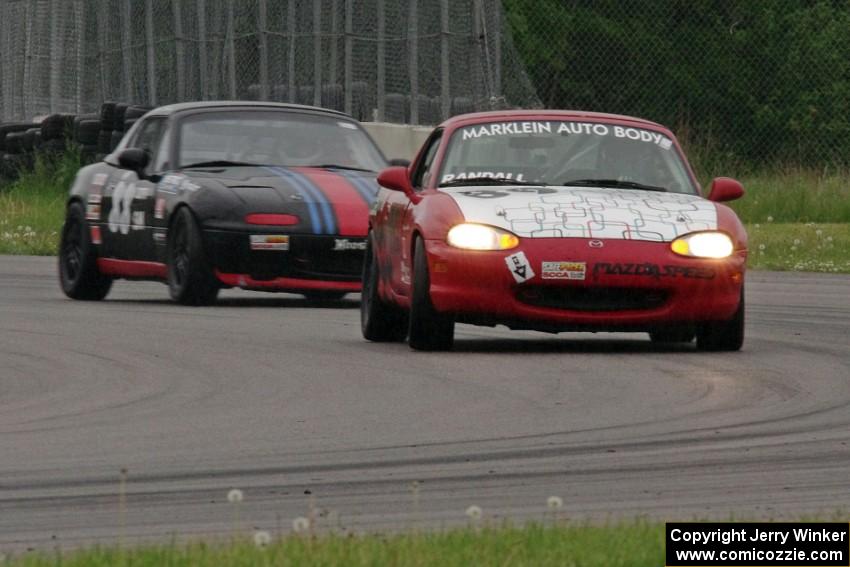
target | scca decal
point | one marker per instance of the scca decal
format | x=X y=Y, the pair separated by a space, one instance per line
x=653 y=271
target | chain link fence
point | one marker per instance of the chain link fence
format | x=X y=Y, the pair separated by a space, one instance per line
x=749 y=83
x=410 y=61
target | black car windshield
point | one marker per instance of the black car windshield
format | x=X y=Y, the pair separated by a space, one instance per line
x=555 y=152
x=276 y=137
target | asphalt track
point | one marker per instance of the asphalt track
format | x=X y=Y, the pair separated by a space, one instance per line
x=280 y=398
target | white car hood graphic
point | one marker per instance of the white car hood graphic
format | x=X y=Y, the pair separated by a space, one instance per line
x=586 y=212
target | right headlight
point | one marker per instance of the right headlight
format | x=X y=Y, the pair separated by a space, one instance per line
x=471 y=236
x=710 y=244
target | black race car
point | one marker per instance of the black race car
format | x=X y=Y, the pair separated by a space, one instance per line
x=208 y=195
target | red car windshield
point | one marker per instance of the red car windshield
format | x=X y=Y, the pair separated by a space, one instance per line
x=555 y=152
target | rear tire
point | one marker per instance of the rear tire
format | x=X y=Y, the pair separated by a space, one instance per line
x=723 y=335
x=78 y=273
x=428 y=330
x=380 y=322
x=190 y=278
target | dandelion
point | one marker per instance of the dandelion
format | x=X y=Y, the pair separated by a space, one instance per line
x=829 y=239
x=473 y=513
x=796 y=242
x=793 y=249
x=262 y=538
x=758 y=226
x=554 y=502
x=761 y=247
x=769 y=219
x=300 y=524
x=819 y=232
x=235 y=496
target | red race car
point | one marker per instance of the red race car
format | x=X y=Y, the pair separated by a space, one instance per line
x=553 y=221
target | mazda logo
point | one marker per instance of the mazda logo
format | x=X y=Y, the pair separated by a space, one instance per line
x=596 y=244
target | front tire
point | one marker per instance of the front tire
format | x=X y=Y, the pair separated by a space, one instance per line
x=723 y=335
x=380 y=321
x=190 y=277
x=428 y=330
x=78 y=273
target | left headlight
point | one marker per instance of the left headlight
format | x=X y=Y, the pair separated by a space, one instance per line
x=704 y=245
x=472 y=236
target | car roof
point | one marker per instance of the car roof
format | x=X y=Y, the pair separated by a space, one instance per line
x=493 y=115
x=170 y=109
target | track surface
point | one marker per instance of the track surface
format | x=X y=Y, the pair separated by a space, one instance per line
x=278 y=396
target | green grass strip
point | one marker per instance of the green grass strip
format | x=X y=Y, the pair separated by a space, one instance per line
x=633 y=543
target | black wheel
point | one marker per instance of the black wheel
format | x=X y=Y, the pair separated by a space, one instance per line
x=723 y=335
x=669 y=336
x=379 y=321
x=190 y=278
x=78 y=273
x=321 y=295
x=428 y=329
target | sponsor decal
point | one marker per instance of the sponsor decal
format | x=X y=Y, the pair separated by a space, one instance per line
x=563 y=270
x=481 y=175
x=269 y=242
x=566 y=129
x=120 y=216
x=93 y=211
x=95 y=235
x=138 y=220
x=653 y=271
x=159 y=210
x=343 y=244
x=170 y=183
x=596 y=244
x=496 y=194
x=159 y=236
x=519 y=267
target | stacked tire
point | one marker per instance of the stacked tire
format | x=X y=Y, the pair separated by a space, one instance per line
x=13 y=156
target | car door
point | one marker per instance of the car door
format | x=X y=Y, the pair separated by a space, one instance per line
x=128 y=201
x=401 y=213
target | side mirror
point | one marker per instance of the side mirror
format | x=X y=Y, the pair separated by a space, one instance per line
x=725 y=189
x=400 y=161
x=135 y=159
x=395 y=178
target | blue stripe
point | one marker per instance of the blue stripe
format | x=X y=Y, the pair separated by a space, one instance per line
x=308 y=186
x=315 y=220
x=366 y=189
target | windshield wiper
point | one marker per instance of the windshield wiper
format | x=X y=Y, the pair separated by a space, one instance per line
x=489 y=181
x=337 y=166
x=616 y=183
x=219 y=163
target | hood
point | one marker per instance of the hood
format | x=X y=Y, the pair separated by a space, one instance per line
x=330 y=201
x=586 y=212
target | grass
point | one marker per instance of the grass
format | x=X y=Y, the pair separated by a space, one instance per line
x=32 y=207
x=632 y=543
x=797 y=219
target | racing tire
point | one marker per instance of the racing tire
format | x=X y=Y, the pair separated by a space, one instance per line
x=670 y=336
x=78 y=273
x=716 y=336
x=190 y=278
x=428 y=329
x=87 y=132
x=380 y=322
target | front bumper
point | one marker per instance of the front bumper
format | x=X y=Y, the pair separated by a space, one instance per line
x=310 y=262
x=626 y=285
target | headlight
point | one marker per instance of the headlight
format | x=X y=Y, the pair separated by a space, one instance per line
x=704 y=245
x=481 y=237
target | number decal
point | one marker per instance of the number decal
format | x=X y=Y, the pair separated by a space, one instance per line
x=122 y=201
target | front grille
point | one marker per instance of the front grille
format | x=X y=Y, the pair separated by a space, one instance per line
x=592 y=298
